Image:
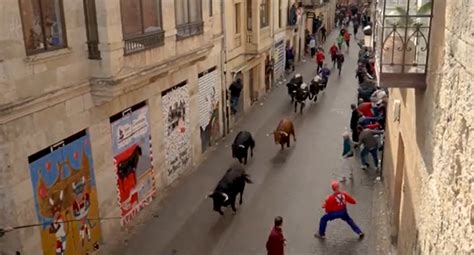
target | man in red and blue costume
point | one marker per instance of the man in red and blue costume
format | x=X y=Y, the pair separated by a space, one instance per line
x=335 y=206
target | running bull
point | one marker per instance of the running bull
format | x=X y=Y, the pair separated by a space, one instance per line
x=226 y=191
x=242 y=142
x=283 y=132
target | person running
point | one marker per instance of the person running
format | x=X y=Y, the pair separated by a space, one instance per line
x=333 y=50
x=312 y=45
x=323 y=33
x=320 y=57
x=324 y=74
x=340 y=40
x=347 y=38
x=339 y=61
x=276 y=241
x=335 y=207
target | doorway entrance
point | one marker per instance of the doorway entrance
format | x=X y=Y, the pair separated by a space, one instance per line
x=398 y=190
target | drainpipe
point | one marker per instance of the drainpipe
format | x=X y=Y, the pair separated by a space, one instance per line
x=225 y=99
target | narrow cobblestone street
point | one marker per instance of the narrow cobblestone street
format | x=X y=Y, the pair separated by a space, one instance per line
x=292 y=183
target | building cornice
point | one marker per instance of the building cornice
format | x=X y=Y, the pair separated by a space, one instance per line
x=106 y=89
x=103 y=89
x=19 y=109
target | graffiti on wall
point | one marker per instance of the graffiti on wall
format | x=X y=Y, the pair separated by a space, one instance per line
x=65 y=196
x=132 y=151
x=208 y=107
x=175 y=105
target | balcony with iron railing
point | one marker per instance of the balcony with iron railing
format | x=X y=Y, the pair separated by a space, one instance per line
x=190 y=29
x=144 y=42
x=313 y=3
x=402 y=39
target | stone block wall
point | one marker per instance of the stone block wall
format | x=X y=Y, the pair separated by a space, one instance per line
x=431 y=178
x=47 y=97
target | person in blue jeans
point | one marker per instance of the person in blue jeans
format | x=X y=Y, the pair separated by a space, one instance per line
x=235 y=89
x=335 y=206
x=368 y=139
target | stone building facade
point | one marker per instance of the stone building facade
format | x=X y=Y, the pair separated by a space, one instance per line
x=428 y=164
x=105 y=104
x=109 y=104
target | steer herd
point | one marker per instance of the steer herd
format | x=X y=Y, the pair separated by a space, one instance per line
x=234 y=180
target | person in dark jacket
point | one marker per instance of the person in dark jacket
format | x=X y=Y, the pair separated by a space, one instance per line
x=276 y=241
x=235 y=89
x=354 y=120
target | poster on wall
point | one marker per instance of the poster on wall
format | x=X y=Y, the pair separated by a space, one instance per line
x=65 y=196
x=209 y=93
x=280 y=57
x=132 y=151
x=177 y=132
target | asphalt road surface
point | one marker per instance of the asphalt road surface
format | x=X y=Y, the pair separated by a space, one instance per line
x=292 y=183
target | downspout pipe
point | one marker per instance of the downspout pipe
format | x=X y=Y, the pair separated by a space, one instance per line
x=225 y=99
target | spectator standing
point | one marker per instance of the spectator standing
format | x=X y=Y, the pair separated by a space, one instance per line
x=369 y=141
x=347 y=153
x=276 y=241
x=355 y=115
x=235 y=89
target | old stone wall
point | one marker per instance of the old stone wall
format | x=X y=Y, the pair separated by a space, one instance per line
x=428 y=163
x=46 y=98
x=449 y=198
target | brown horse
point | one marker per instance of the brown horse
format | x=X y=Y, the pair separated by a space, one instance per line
x=283 y=132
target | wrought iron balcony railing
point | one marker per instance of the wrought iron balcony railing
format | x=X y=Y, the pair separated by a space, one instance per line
x=189 y=29
x=144 y=42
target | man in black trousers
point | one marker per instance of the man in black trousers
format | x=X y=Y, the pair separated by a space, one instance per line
x=354 y=120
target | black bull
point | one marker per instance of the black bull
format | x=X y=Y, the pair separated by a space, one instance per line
x=242 y=142
x=226 y=191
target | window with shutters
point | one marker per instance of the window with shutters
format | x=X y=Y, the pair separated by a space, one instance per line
x=264 y=13
x=249 y=15
x=280 y=14
x=210 y=8
x=188 y=18
x=43 y=25
x=141 y=25
x=92 y=33
x=238 y=24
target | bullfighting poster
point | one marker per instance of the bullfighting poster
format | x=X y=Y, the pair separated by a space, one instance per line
x=175 y=104
x=131 y=148
x=65 y=196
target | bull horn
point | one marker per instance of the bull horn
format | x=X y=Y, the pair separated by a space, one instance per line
x=285 y=133
x=241 y=146
x=225 y=196
x=209 y=195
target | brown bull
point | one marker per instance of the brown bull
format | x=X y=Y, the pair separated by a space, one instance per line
x=283 y=132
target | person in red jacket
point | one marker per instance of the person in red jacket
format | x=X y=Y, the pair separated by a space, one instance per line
x=335 y=206
x=320 y=59
x=276 y=241
x=333 y=50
